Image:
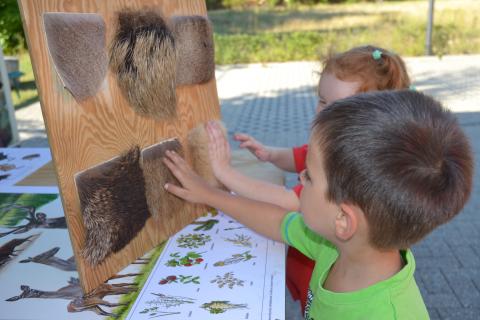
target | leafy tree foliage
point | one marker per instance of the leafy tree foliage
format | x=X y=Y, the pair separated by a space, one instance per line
x=12 y=37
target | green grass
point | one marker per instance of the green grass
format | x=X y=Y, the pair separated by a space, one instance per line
x=27 y=94
x=309 y=33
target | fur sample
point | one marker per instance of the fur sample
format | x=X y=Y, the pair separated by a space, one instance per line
x=113 y=204
x=198 y=146
x=161 y=203
x=76 y=42
x=143 y=57
x=195 y=49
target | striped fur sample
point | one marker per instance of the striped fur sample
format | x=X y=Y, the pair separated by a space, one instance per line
x=161 y=203
x=195 y=49
x=113 y=204
x=76 y=42
x=198 y=146
x=143 y=57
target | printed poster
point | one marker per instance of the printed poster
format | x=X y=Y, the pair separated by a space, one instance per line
x=38 y=276
x=18 y=163
x=215 y=268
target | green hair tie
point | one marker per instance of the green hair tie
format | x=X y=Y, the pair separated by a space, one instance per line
x=377 y=54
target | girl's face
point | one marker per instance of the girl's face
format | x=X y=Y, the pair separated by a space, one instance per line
x=330 y=88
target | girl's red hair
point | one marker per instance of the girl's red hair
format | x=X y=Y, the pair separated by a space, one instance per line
x=358 y=64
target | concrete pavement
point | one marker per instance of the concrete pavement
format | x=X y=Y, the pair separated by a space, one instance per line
x=275 y=103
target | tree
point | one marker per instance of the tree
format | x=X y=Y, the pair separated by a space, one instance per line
x=12 y=36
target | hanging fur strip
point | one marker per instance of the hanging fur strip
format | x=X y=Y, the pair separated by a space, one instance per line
x=76 y=42
x=195 y=49
x=198 y=146
x=162 y=204
x=113 y=204
x=143 y=57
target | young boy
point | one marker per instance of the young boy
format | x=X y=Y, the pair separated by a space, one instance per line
x=383 y=170
x=359 y=69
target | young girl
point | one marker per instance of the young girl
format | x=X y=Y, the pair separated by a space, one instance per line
x=361 y=69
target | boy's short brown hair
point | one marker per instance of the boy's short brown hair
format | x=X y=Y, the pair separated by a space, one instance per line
x=401 y=157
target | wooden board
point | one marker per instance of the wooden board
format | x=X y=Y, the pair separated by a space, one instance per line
x=104 y=126
x=250 y=166
x=242 y=160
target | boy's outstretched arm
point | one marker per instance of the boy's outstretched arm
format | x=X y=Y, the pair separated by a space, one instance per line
x=279 y=157
x=219 y=153
x=262 y=217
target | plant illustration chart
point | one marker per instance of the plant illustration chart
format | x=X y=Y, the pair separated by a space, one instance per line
x=215 y=268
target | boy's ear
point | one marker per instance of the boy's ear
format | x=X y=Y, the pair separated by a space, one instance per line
x=346 y=221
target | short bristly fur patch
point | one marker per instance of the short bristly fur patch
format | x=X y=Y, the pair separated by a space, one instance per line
x=143 y=57
x=76 y=42
x=195 y=49
x=162 y=204
x=113 y=204
x=198 y=146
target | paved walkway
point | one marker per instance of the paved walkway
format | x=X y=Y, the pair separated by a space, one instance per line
x=275 y=103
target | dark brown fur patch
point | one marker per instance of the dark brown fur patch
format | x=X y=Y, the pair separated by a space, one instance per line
x=76 y=42
x=162 y=204
x=195 y=49
x=143 y=57
x=113 y=204
x=198 y=146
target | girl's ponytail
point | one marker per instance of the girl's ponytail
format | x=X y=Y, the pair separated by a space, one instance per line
x=373 y=67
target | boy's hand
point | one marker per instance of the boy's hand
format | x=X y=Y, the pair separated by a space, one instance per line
x=193 y=188
x=218 y=151
x=255 y=147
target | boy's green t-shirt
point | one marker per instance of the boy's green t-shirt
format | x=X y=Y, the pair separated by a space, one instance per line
x=395 y=298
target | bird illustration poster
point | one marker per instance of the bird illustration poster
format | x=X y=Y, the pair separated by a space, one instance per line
x=38 y=274
x=17 y=163
x=35 y=246
x=215 y=268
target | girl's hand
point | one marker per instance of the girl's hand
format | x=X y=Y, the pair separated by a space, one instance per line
x=218 y=151
x=259 y=150
x=193 y=188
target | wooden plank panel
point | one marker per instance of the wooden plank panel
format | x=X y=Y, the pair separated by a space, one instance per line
x=102 y=127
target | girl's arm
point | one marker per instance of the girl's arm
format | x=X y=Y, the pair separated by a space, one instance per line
x=219 y=153
x=262 y=217
x=280 y=157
